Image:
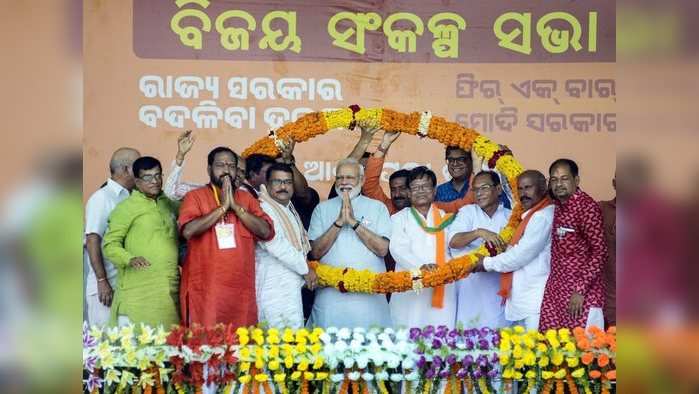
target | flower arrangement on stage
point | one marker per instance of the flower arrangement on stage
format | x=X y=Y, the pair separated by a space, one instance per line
x=423 y=124
x=420 y=360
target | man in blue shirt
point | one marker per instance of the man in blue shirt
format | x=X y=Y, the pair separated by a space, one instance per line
x=460 y=167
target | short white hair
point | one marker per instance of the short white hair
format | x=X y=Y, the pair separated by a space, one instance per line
x=350 y=161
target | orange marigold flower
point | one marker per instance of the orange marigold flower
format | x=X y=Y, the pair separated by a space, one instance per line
x=612 y=330
x=587 y=358
x=611 y=375
x=603 y=360
x=583 y=344
x=595 y=374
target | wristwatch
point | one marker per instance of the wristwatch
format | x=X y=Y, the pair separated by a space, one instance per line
x=356 y=225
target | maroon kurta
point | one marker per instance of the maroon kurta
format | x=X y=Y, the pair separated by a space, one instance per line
x=609 y=217
x=218 y=285
x=577 y=261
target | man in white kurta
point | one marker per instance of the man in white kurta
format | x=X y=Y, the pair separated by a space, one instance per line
x=352 y=231
x=281 y=262
x=529 y=259
x=414 y=247
x=102 y=275
x=479 y=304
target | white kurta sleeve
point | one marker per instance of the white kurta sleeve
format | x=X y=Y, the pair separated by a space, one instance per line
x=536 y=237
x=96 y=215
x=174 y=188
x=401 y=242
x=280 y=247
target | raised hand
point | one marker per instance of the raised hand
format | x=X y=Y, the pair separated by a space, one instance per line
x=389 y=138
x=184 y=144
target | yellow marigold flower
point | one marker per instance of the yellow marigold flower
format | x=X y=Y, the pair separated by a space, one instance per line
x=529 y=342
x=529 y=358
x=530 y=374
x=289 y=362
x=244 y=352
x=301 y=347
x=519 y=329
x=296 y=375
x=243 y=339
x=273 y=351
x=557 y=358
x=505 y=346
x=569 y=347
x=260 y=377
x=578 y=373
x=303 y=365
x=517 y=352
x=242 y=331
x=546 y=374
x=516 y=339
x=259 y=351
x=245 y=379
x=245 y=366
x=518 y=375
x=572 y=362
x=504 y=360
x=322 y=375
x=508 y=373
x=273 y=365
x=317 y=332
x=288 y=336
x=543 y=361
x=273 y=332
x=308 y=375
x=280 y=377
x=318 y=364
x=259 y=363
x=519 y=364
x=564 y=334
x=316 y=348
x=541 y=347
x=560 y=374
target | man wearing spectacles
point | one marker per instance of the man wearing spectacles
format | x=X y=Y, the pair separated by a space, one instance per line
x=460 y=167
x=142 y=243
x=221 y=225
x=282 y=260
x=476 y=224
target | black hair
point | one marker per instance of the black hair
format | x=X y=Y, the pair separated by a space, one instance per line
x=279 y=167
x=454 y=147
x=399 y=174
x=422 y=172
x=255 y=162
x=494 y=177
x=573 y=166
x=212 y=155
x=145 y=163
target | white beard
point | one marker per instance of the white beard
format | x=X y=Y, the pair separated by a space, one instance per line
x=352 y=193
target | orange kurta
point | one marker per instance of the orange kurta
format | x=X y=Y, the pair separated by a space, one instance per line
x=218 y=285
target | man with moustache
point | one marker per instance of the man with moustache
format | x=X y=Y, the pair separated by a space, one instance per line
x=350 y=231
x=102 y=275
x=221 y=225
x=418 y=242
x=142 y=243
x=281 y=265
x=525 y=266
x=477 y=295
x=574 y=294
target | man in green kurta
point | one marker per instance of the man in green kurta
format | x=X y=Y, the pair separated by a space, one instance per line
x=141 y=241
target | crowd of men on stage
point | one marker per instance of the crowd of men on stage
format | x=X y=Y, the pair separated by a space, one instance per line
x=236 y=250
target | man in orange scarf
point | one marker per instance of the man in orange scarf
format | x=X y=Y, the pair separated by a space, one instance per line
x=526 y=263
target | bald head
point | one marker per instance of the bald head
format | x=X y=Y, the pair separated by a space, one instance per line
x=120 y=166
x=122 y=159
x=535 y=176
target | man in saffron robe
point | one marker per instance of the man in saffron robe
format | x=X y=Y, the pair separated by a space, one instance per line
x=221 y=226
x=574 y=294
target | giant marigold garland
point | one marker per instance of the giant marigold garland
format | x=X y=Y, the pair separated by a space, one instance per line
x=414 y=123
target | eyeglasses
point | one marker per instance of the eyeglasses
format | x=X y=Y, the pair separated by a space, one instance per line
x=457 y=160
x=220 y=166
x=279 y=182
x=421 y=188
x=483 y=189
x=152 y=177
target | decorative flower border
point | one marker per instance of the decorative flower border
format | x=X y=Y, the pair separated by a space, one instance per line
x=423 y=124
x=278 y=360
